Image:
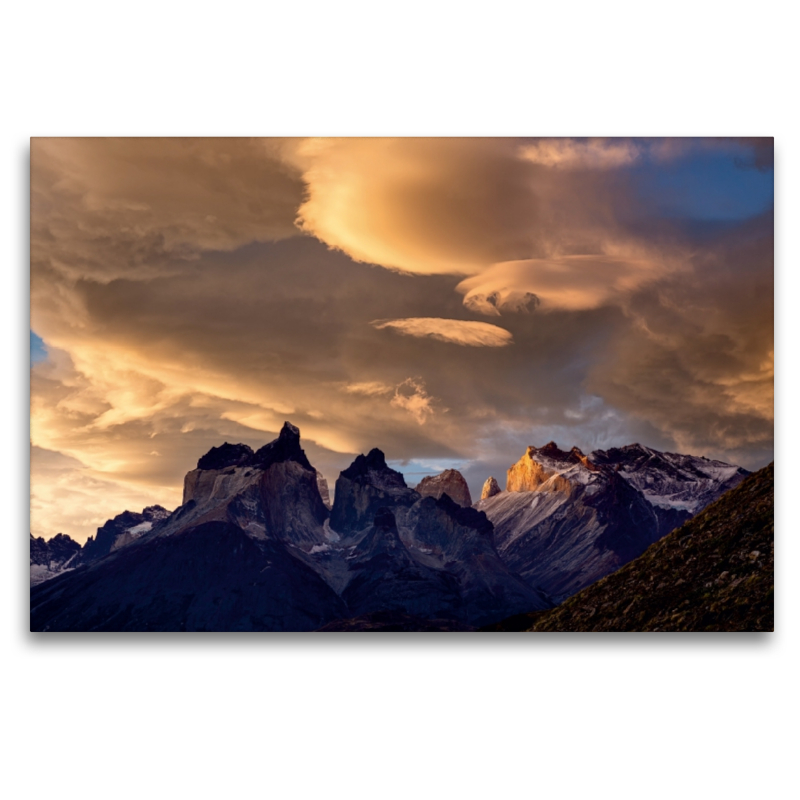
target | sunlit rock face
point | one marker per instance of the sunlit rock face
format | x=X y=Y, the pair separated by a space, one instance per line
x=490 y=488
x=548 y=464
x=450 y=482
x=568 y=519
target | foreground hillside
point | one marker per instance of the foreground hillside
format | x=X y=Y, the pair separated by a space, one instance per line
x=715 y=573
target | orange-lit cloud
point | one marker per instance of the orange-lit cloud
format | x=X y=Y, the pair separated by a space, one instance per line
x=425 y=206
x=570 y=282
x=455 y=331
x=412 y=396
x=575 y=154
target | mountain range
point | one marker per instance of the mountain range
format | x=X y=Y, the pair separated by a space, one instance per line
x=257 y=545
x=714 y=573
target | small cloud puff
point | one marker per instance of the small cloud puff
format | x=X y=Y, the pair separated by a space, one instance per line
x=412 y=396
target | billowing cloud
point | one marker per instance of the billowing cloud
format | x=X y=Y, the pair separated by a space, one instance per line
x=190 y=292
x=520 y=219
x=586 y=154
x=412 y=396
x=456 y=331
x=424 y=206
x=570 y=282
x=143 y=207
x=698 y=360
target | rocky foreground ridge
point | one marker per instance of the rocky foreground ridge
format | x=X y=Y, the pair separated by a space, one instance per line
x=257 y=545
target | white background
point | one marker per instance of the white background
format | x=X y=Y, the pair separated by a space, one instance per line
x=681 y=716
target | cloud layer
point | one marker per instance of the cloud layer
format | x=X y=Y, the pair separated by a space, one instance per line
x=190 y=292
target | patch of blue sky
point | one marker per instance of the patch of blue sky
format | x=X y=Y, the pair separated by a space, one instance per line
x=414 y=471
x=704 y=185
x=38 y=349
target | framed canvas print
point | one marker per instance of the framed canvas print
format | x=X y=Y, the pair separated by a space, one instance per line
x=508 y=384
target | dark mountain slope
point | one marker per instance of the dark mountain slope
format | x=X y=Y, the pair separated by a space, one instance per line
x=715 y=573
x=367 y=485
x=214 y=577
x=121 y=530
x=385 y=577
x=52 y=557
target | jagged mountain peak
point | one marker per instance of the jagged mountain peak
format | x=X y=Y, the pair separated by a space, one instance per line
x=226 y=455
x=551 y=467
x=155 y=513
x=490 y=488
x=551 y=452
x=551 y=449
x=465 y=515
x=671 y=480
x=62 y=538
x=373 y=468
x=450 y=482
x=367 y=485
x=715 y=573
x=285 y=448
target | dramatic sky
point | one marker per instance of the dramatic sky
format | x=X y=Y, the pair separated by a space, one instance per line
x=450 y=301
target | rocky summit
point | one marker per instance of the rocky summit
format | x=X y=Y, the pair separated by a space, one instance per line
x=490 y=488
x=367 y=485
x=49 y=558
x=257 y=545
x=450 y=482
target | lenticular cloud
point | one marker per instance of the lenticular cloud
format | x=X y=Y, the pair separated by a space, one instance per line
x=469 y=334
